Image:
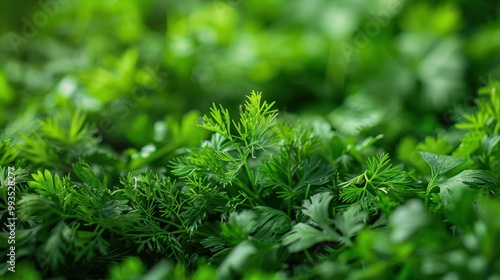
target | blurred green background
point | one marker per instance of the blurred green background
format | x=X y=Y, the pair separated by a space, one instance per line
x=136 y=68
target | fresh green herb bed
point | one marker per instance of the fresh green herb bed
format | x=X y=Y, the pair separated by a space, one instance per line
x=265 y=196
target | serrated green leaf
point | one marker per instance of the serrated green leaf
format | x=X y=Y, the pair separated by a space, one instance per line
x=350 y=222
x=317 y=207
x=450 y=188
x=407 y=219
x=238 y=226
x=304 y=236
x=441 y=164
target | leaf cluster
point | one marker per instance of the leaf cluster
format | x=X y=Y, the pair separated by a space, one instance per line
x=262 y=197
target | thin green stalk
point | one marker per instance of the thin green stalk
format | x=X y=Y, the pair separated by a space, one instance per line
x=248 y=191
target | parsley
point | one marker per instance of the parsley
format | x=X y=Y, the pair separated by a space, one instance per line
x=261 y=196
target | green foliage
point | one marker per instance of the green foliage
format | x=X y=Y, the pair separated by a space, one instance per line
x=262 y=197
x=304 y=235
x=253 y=128
x=482 y=129
x=232 y=144
x=380 y=180
x=68 y=220
x=54 y=142
x=8 y=150
x=378 y=165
